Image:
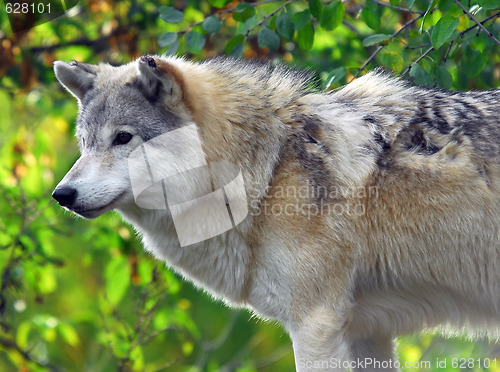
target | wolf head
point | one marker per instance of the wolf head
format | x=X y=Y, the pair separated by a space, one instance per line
x=120 y=108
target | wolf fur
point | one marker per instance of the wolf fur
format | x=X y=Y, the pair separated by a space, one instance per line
x=397 y=231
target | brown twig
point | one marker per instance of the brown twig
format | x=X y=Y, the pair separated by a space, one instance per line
x=497 y=14
x=417 y=61
x=377 y=51
x=398 y=8
x=268 y=16
x=480 y=24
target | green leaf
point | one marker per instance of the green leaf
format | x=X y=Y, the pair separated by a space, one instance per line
x=393 y=60
x=333 y=14
x=68 y=333
x=427 y=12
x=420 y=76
x=474 y=61
x=195 y=41
x=300 y=19
x=117 y=277
x=166 y=39
x=316 y=8
x=234 y=42
x=211 y=25
x=243 y=11
x=409 y=3
x=137 y=356
x=22 y=334
x=374 y=39
x=170 y=14
x=371 y=18
x=268 y=38
x=443 y=77
x=237 y=51
x=219 y=3
x=173 y=48
x=334 y=77
x=394 y=2
x=489 y=4
x=305 y=36
x=284 y=26
x=47 y=282
x=443 y=30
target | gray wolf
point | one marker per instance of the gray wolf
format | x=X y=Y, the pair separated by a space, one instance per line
x=373 y=210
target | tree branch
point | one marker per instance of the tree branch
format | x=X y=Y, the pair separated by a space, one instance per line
x=377 y=51
x=398 y=8
x=480 y=24
x=417 y=61
x=497 y=14
x=12 y=345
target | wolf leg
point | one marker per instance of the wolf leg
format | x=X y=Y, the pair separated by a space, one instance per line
x=374 y=354
x=319 y=343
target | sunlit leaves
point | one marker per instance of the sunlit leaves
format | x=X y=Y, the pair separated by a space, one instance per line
x=117 y=277
x=332 y=16
x=443 y=30
x=305 y=36
x=219 y=3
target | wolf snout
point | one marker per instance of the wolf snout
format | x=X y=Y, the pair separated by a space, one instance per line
x=65 y=195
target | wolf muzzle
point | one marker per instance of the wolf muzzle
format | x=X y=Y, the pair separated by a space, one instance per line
x=65 y=195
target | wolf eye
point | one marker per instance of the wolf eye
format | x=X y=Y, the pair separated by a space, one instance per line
x=122 y=138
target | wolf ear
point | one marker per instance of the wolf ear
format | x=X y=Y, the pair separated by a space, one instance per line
x=76 y=77
x=159 y=79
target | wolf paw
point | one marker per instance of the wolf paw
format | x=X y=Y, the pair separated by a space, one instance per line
x=149 y=60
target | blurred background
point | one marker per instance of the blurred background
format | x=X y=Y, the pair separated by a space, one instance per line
x=80 y=295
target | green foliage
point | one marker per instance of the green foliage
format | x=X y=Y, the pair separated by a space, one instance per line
x=332 y=15
x=80 y=294
x=443 y=31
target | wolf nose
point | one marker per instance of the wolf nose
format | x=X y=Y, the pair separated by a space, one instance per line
x=65 y=195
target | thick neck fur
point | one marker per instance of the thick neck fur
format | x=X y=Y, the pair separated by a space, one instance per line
x=259 y=120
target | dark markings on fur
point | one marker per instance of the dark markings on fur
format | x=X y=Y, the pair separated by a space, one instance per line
x=384 y=146
x=440 y=122
x=414 y=138
x=430 y=117
x=312 y=157
x=475 y=124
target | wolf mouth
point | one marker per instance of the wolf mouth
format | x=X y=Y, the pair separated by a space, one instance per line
x=89 y=212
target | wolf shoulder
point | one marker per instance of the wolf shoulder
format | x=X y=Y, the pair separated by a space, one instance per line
x=422 y=130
